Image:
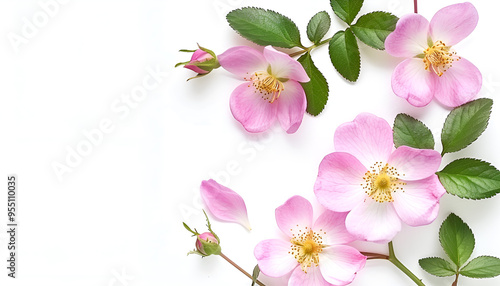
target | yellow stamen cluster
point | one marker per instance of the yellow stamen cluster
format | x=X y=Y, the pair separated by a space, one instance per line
x=439 y=58
x=268 y=86
x=306 y=247
x=381 y=181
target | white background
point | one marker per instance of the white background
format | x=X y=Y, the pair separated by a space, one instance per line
x=118 y=211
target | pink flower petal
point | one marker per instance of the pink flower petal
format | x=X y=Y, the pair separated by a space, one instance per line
x=313 y=277
x=224 y=203
x=252 y=111
x=331 y=225
x=338 y=186
x=339 y=264
x=373 y=221
x=412 y=82
x=273 y=257
x=415 y=164
x=200 y=55
x=459 y=84
x=294 y=215
x=242 y=61
x=291 y=106
x=368 y=138
x=453 y=23
x=195 y=69
x=419 y=203
x=410 y=37
x=283 y=66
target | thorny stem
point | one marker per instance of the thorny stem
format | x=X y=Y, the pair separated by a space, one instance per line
x=415 y=6
x=398 y=264
x=240 y=269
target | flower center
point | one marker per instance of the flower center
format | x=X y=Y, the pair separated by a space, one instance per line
x=267 y=85
x=381 y=181
x=306 y=247
x=439 y=58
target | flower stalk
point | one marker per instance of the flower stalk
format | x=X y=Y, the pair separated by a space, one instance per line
x=415 y=6
x=394 y=260
x=240 y=269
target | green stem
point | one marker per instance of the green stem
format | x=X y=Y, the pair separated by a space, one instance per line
x=398 y=264
x=308 y=49
x=240 y=269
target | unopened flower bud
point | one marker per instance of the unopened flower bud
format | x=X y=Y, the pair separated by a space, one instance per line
x=203 y=61
x=207 y=244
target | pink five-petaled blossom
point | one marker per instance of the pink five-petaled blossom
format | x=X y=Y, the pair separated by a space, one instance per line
x=377 y=185
x=316 y=254
x=224 y=203
x=433 y=68
x=271 y=91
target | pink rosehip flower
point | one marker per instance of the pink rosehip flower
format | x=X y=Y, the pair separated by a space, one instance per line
x=314 y=253
x=433 y=68
x=271 y=91
x=224 y=203
x=377 y=185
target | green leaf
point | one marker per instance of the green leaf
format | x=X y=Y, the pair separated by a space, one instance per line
x=470 y=178
x=465 y=124
x=346 y=9
x=456 y=239
x=318 y=26
x=409 y=131
x=255 y=274
x=482 y=267
x=316 y=89
x=264 y=27
x=373 y=28
x=437 y=266
x=344 y=54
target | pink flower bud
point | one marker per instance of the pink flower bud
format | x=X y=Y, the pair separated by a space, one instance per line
x=207 y=244
x=199 y=56
x=203 y=61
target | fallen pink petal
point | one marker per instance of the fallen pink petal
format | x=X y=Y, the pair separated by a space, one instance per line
x=223 y=203
x=433 y=69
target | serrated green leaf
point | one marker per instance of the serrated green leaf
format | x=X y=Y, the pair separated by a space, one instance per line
x=409 y=131
x=437 y=266
x=346 y=9
x=316 y=89
x=255 y=274
x=456 y=239
x=465 y=124
x=373 y=28
x=318 y=26
x=470 y=178
x=344 y=54
x=265 y=27
x=482 y=267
